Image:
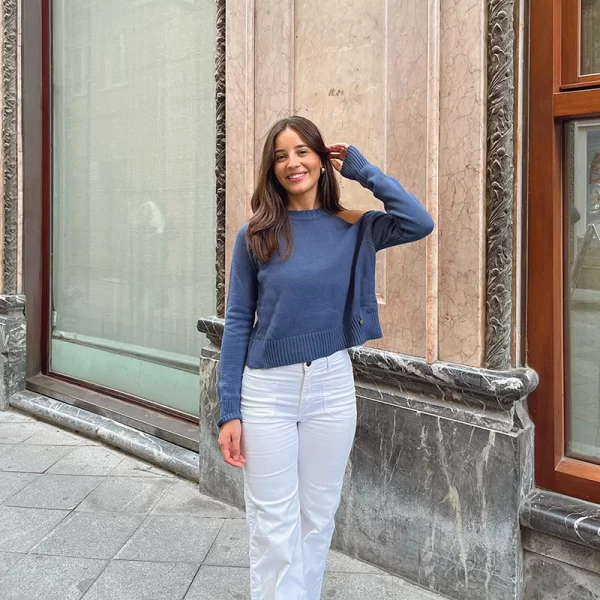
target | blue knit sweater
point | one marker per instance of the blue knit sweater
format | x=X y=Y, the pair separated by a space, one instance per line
x=322 y=298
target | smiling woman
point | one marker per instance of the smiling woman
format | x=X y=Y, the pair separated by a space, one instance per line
x=302 y=292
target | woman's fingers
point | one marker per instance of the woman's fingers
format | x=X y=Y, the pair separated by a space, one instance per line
x=230 y=443
x=337 y=164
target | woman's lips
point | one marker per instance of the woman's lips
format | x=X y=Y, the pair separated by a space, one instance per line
x=296 y=177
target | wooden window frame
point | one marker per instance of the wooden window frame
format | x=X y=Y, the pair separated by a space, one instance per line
x=553 y=100
x=570 y=36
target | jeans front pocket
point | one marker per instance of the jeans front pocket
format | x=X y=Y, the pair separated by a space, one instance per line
x=259 y=394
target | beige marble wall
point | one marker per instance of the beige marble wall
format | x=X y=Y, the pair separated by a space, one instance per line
x=403 y=81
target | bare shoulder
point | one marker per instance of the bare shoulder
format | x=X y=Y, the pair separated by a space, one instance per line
x=351 y=216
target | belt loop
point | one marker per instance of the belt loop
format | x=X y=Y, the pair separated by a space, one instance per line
x=327 y=362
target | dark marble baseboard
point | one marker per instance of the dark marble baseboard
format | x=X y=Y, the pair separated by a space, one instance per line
x=159 y=452
x=563 y=517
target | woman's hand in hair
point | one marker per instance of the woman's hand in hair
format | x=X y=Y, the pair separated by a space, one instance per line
x=230 y=439
x=337 y=155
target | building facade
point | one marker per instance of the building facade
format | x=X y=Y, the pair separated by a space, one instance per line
x=131 y=132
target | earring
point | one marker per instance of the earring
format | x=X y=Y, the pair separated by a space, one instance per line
x=322 y=170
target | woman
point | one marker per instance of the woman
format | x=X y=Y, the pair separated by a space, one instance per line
x=302 y=291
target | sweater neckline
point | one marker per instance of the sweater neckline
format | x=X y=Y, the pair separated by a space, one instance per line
x=307 y=215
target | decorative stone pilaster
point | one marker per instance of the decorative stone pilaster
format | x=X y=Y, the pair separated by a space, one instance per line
x=12 y=347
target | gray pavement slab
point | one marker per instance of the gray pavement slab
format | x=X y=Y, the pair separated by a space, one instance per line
x=23 y=528
x=125 y=580
x=11 y=483
x=215 y=583
x=126 y=495
x=357 y=586
x=53 y=436
x=55 y=491
x=5 y=448
x=183 y=498
x=8 y=560
x=13 y=416
x=17 y=432
x=90 y=535
x=50 y=578
x=231 y=548
x=172 y=539
x=32 y=459
x=340 y=563
x=130 y=467
x=88 y=460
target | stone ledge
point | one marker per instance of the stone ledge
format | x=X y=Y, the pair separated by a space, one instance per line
x=566 y=518
x=414 y=375
x=137 y=443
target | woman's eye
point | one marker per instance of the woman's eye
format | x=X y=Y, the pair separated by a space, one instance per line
x=280 y=157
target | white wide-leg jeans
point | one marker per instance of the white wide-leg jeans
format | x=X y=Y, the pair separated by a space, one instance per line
x=298 y=428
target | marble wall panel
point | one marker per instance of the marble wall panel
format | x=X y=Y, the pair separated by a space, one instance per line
x=462 y=181
x=435 y=501
x=216 y=478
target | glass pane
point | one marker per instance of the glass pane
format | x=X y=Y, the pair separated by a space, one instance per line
x=582 y=297
x=133 y=193
x=590 y=37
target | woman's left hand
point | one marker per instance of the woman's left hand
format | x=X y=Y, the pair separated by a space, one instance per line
x=337 y=155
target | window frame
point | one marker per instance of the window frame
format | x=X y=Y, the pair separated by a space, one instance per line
x=570 y=37
x=554 y=98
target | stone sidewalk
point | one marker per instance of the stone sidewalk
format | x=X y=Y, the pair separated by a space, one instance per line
x=81 y=520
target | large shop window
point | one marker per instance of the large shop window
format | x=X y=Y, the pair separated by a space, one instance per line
x=133 y=194
x=563 y=249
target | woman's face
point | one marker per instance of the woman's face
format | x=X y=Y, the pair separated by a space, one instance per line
x=296 y=166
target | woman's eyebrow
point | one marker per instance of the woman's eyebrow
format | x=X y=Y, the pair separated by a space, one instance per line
x=296 y=148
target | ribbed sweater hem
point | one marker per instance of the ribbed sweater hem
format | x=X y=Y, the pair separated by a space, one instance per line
x=268 y=353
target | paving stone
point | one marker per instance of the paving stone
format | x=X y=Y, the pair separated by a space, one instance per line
x=125 y=495
x=172 y=539
x=407 y=591
x=231 y=548
x=5 y=448
x=131 y=467
x=90 y=535
x=214 y=583
x=124 y=580
x=88 y=460
x=53 y=436
x=50 y=578
x=23 y=528
x=32 y=459
x=15 y=433
x=8 y=560
x=12 y=416
x=183 y=498
x=340 y=563
x=11 y=483
x=55 y=491
x=358 y=586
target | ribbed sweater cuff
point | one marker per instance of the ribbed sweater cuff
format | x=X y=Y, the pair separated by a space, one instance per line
x=353 y=163
x=229 y=416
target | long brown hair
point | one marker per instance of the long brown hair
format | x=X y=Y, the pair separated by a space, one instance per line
x=270 y=223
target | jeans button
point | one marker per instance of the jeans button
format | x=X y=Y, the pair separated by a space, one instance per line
x=309 y=363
